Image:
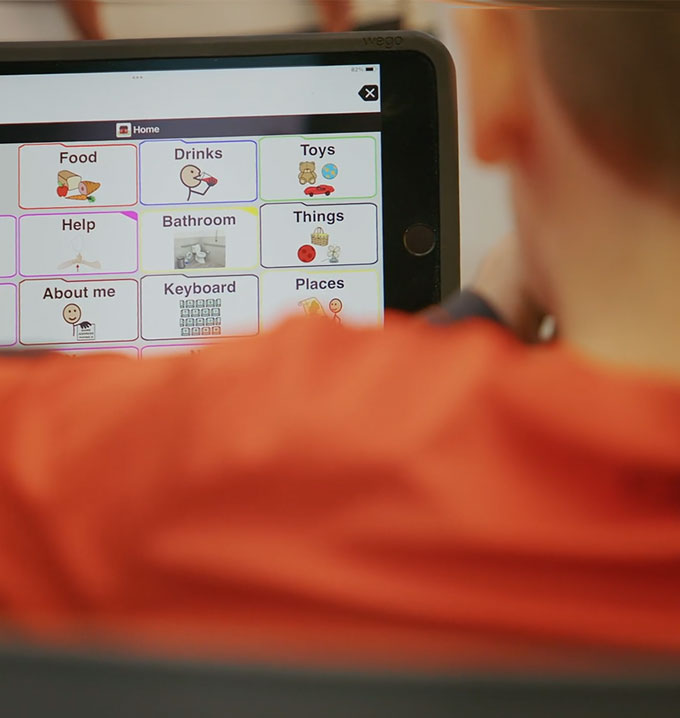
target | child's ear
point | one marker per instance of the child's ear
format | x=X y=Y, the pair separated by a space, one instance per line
x=498 y=62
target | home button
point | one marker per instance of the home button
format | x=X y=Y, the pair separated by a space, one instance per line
x=419 y=239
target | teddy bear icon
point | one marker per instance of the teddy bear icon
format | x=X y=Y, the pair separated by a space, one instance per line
x=307 y=173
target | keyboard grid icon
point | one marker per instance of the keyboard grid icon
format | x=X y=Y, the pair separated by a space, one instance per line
x=200 y=317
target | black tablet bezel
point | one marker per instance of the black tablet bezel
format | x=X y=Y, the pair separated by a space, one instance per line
x=418 y=125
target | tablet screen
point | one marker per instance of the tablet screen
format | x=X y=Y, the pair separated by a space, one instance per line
x=156 y=209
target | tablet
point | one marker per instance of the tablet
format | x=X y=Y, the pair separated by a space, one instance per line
x=158 y=195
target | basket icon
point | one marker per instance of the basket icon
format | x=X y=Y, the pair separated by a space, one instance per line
x=319 y=237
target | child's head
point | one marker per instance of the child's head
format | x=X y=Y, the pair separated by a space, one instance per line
x=583 y=106
x=614 y=72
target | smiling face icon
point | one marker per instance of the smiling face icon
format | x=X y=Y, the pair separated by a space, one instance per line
x=335 y=306
x=72 y=314
x=190 y=176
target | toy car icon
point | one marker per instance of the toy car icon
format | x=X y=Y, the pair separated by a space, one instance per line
x=320 y=189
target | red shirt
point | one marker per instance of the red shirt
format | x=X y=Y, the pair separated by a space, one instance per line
x=418 y=493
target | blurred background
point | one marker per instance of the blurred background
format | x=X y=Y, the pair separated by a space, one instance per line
x=485 y=209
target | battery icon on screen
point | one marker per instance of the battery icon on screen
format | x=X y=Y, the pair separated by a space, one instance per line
x=370 y=69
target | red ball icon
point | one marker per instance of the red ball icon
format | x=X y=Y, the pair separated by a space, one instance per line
x=306 y=253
